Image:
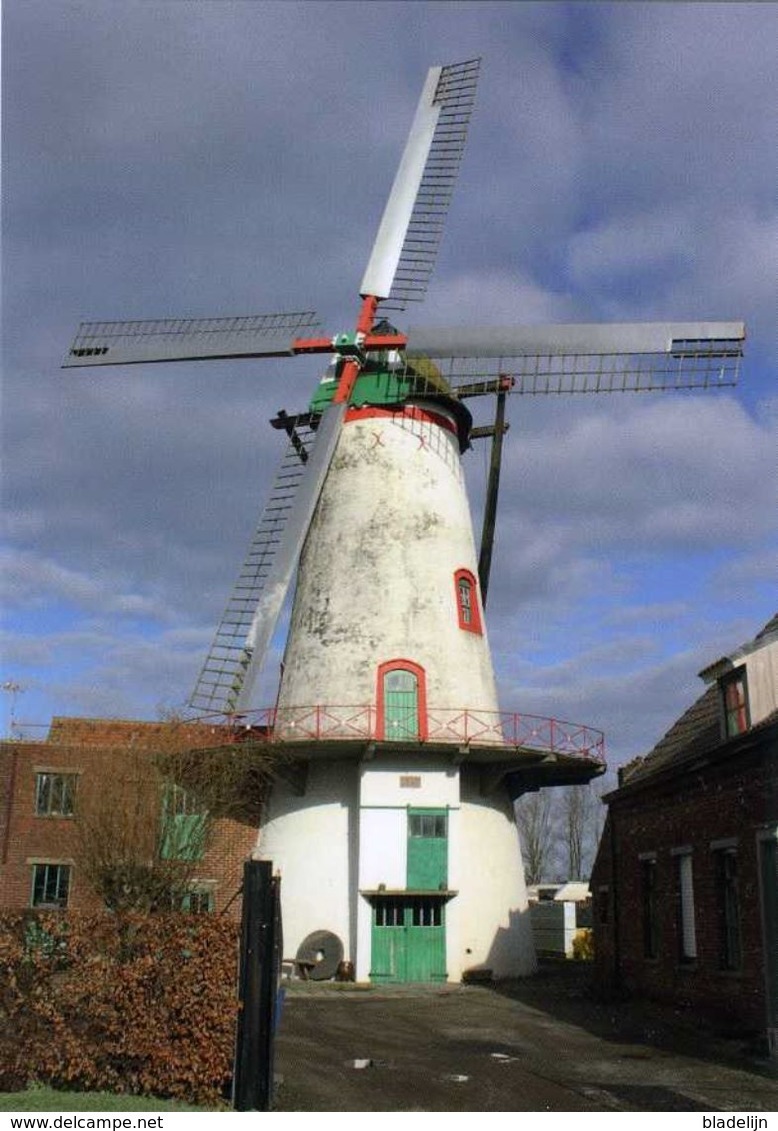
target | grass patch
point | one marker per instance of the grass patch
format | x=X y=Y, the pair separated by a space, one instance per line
x=49 y=1099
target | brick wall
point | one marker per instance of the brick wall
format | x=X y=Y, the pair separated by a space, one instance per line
x=730 y=800
x=97 y=753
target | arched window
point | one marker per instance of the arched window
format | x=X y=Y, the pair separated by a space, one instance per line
x=468 y=609
x=402 y=702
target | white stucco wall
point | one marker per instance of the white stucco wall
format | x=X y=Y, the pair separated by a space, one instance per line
x=384 y=782
x=376 y=578
x=383 y=842
x=312 y=842
x=488 y=922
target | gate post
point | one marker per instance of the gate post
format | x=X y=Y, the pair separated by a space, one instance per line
x=261 y=949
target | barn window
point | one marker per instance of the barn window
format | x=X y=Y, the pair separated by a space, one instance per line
x=468 y=609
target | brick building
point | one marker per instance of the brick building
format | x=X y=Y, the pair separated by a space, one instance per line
x=685 y=882
x=40 y=787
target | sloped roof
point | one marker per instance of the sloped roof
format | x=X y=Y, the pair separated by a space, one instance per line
x=725 y=663
x=769 y=628
x=698 y=730
x=695 y=732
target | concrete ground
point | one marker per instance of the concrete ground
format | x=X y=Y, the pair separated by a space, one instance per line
x=540 y=1044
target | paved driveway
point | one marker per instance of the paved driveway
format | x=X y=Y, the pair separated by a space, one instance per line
x=539 y=1045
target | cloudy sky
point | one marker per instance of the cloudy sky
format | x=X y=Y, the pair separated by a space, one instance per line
x=165 y=157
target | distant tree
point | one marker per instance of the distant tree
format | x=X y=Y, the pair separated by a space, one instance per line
x=560 y=830
x=534 y=815
x=579 y=824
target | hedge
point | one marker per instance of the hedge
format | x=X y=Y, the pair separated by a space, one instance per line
x=144 y=1005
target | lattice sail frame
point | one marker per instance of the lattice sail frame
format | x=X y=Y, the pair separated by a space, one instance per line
x=456 y=97
x=632 y=357
x=187 y=339
x=409 y=234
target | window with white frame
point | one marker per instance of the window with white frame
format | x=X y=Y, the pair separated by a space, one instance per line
x=50 y=885
x=199 y=899
x=55 y=794
x=684 y=892
x=468 y=611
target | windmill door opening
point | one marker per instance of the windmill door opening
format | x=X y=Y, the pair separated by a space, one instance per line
x=408 y=939
x=409 y=929
x=401 y=705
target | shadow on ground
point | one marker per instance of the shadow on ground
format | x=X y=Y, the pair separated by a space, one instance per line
x=565 y=990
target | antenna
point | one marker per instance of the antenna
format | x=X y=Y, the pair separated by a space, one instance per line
x=14 y=690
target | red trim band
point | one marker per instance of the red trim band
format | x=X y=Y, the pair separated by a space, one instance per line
x=412 y=411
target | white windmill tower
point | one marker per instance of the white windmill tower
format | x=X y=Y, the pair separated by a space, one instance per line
x=395 y=838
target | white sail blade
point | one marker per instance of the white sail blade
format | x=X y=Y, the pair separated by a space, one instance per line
x=571 y=339
x=561 y=359
x=412 y=223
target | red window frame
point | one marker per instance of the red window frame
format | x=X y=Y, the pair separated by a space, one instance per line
x=469 y=615
x=421 y=702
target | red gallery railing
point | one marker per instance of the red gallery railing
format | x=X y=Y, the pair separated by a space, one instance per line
x=463 y=727
x=325 y=723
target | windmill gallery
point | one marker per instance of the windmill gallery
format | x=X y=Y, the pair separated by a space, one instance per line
x=395 y=835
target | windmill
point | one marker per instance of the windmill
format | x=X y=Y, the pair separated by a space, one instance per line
x=395 y=837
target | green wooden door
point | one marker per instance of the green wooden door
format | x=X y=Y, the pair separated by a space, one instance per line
x=401 y=705
x=388 y=947
x=426 y=940
x=409 y=939
x=427 y=868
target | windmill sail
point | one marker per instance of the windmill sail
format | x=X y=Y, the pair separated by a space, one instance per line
x=406 y=244
x=246 y=628
x=581 y=358
x=186 y=339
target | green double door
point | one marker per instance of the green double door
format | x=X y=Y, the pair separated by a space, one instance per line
x=409 y=929
x=409 y=939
